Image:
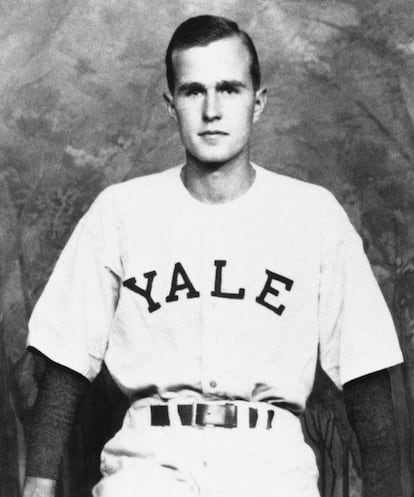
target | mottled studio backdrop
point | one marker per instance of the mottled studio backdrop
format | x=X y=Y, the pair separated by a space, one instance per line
x=81 y=85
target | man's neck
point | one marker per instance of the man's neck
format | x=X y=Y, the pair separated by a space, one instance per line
x=217 y=183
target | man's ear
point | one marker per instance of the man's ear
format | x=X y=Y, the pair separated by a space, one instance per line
x=259 y=103
x=169 y=102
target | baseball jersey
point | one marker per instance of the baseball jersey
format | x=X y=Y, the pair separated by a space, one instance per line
x=231 y=300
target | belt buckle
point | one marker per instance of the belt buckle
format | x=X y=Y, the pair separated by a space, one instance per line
x=222 y=415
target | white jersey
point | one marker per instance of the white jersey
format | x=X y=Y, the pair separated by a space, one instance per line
x=229 y=300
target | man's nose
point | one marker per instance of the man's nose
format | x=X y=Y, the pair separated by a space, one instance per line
x=212 y=107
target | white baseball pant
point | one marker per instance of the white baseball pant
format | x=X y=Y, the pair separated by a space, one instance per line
x=210 y=461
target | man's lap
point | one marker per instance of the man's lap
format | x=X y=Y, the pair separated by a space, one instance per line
x=185 y=461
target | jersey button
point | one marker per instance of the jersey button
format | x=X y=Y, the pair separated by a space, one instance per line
x=213 y=384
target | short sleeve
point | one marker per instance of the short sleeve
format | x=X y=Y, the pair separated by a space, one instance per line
x=72 y=319
x=357 y=334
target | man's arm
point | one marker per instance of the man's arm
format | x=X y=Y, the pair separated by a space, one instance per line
x=369 y=406
x=61 y=392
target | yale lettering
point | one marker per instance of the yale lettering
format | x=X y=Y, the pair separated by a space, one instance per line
x=186 y=284
x=146 y=293
x=269 y=289
x=182 y=287
x=218 y=292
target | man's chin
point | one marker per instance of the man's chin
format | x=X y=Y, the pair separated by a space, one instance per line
x=212 y=160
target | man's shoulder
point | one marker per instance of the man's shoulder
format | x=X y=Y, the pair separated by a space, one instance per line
x=131 y=197
x=141 y=186
x=136 y=193
x=293 y=189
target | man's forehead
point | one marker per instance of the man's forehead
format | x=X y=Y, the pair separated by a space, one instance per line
x=224 y=59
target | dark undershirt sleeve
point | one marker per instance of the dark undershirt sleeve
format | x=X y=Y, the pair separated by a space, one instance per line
x=369 y=406
x=61 y=392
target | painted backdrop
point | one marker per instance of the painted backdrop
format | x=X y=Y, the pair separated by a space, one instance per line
x=81 y=85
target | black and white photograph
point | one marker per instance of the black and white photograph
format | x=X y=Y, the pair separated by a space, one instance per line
x=206 y=248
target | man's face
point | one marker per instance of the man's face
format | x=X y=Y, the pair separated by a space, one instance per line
x=214 y=103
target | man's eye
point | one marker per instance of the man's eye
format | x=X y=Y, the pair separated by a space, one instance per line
x=193 y=93
x=229 y=90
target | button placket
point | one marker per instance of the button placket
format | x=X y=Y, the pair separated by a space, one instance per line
x=209 y=380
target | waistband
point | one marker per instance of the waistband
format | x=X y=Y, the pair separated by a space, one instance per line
x=210 y=414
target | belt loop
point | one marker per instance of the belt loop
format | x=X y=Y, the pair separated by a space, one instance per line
x=173 y=412
x=242 y=415
x=144 y=414
x=261 y=416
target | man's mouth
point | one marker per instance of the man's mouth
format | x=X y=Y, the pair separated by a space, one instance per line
x=213 y=133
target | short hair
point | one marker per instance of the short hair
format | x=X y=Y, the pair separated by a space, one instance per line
x=202 y=30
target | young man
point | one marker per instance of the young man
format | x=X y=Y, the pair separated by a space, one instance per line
x=208 y=290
